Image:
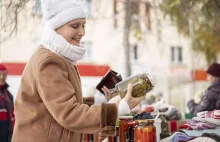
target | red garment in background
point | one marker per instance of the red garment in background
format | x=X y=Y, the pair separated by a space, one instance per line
x=11 y=113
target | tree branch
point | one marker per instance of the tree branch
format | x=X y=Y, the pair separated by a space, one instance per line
x=9 y=20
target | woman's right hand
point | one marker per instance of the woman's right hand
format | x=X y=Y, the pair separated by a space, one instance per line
x=108 y=94
x=132 y=101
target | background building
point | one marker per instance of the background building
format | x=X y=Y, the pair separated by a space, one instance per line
x=162 y=50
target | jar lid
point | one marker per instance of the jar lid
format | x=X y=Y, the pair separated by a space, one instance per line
x=125 y=117
x=150 y=79
x=132 y=124
x=142 y=121
x=151 y=120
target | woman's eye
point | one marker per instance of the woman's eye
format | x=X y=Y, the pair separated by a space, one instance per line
x=74 y=26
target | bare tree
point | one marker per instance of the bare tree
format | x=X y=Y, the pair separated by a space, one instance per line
x=10 y=10
x=127 y=28
x=132 y=19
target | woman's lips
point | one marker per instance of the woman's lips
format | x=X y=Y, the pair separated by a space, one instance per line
x=76 y=41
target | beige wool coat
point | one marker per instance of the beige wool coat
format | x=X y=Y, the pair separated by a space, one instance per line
x=49 y=105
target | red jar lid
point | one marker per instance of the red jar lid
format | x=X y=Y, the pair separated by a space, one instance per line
x=133 y=123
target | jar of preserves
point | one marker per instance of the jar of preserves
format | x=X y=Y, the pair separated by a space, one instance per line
x=123 y=127
x=164 y=128
x=142 y=83
x=149 y=132
x=145 y=131
x=138 y=130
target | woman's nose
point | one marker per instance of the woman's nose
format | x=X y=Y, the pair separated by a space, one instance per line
x=81 y=31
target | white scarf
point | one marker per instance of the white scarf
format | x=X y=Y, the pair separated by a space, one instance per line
x=58 y=45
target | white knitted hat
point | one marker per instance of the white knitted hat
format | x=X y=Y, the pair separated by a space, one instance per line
x=59 y=12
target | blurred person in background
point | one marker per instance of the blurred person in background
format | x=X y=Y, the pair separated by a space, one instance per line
x=211 y=98
x=154 y=97
x=49 y=105
x=148 y=101
x=199 y=95
x=159 y=97
x=6 y=107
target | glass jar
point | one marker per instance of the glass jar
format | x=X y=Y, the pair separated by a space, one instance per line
x=164 y=128
x=142 y=83
x=149 y=132
x=138 y=130
x=145 y=131
x=123 y=127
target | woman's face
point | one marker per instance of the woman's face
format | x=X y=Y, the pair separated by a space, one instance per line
x=73 y=31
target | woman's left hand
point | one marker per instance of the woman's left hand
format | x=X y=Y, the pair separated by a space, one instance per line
x=108 y=93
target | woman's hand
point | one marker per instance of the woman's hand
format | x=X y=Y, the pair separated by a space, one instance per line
x=108 y=93
x=132 y=101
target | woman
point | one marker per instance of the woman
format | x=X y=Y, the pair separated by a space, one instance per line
x=211 y=98
x=49 y=105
